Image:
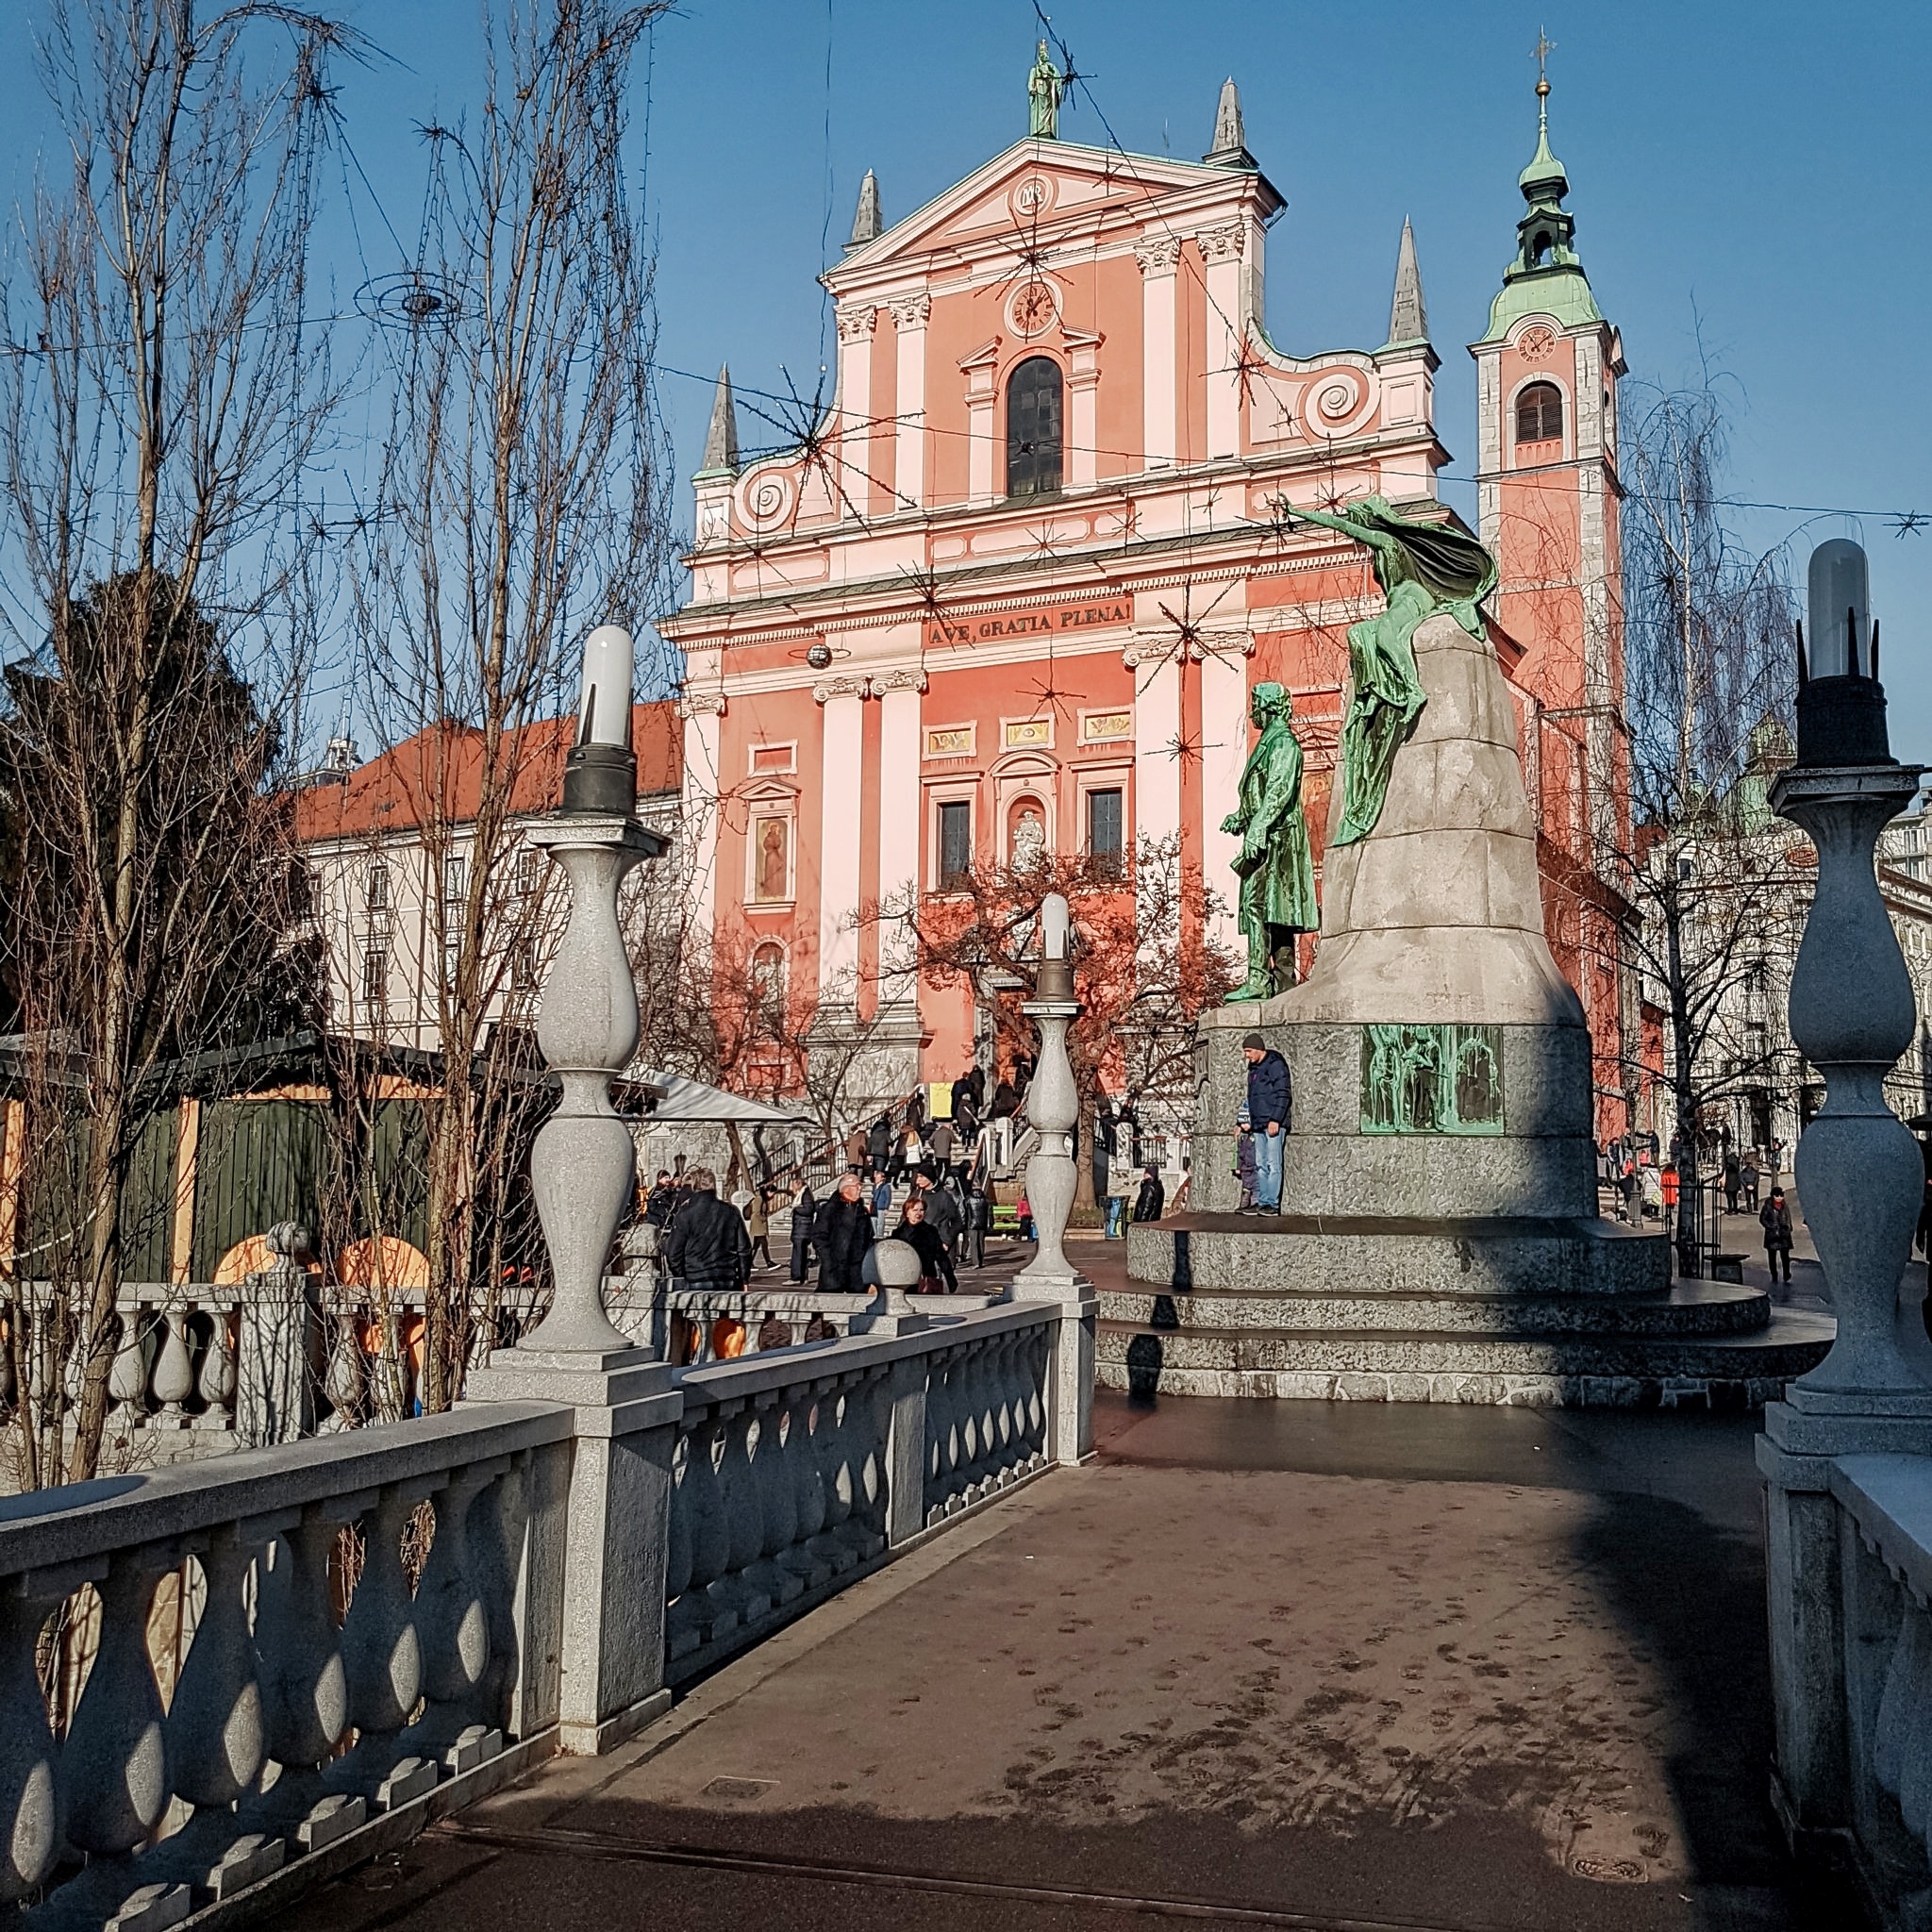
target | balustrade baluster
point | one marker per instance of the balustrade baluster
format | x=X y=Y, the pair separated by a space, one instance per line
x=778 y=1514
x=217 y=1380
x=215 y=1740
x=127 y=1378
x=677 y=1541
x=305 y=1692
x=867 y=1411
x=30 y=1807
x=115 y=1762
x=382 y=1653
x=344 y=1381
x=837 y=1478
x=173 y=1377
x=450 y=1611
x=1915 y=1753
x=942 y=1433
x=801 y=1472
x=707 y=1610
x=742 y=1515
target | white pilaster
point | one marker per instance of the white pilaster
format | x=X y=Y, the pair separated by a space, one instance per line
x=843 y=743
x=1224 y=753
x=1083 y=424
x=856 y=326
x=703 y=712
x=899 y=821
x=909 y=316
x=1158 y=255
x=982 y=453
x=1156 y=669
x=1221 y=249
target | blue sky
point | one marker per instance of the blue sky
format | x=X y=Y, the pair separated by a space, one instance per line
x=1754 y=171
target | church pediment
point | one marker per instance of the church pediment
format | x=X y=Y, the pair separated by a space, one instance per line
x=1033 y=191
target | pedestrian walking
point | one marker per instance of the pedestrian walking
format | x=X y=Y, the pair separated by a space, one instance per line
x=1748 y=1178
x=881 y=1203
x=804 y=1210
x=878 y=1143
x=1775 y=1217
x=943 y=1145
x=978 y=1224
x=1024 y=1215
x=1733 y=1174
x=857 y=1142
x=1153 y=1195
x=843 y=1233
x=708 y=1247
x=758 y=1224
x=1270 y=1105
x=944 y=1213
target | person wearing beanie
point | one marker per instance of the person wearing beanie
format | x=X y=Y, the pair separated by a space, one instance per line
x=1270 y=1104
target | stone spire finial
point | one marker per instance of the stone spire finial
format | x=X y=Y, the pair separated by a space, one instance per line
x=1408 y=321
x=868 y=224
x=721 y=439
x=1231 y=147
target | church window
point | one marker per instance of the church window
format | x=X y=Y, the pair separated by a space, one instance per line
x=1540 y=413
x=956 y=844
x=1033 y=428
x=1103 y=831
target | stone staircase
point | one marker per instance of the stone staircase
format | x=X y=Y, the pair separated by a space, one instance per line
x=1218 y=1305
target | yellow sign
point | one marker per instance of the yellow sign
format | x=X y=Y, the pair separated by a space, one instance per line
x=940 y=1099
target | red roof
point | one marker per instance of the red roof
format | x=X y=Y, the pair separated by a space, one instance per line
x=395 y=792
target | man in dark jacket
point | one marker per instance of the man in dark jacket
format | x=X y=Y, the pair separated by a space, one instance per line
x=1151 y=1197
x=1271 y=1106
x=944 y=1213
x=843 y=1234
x=878 y=1145
x=708 y=1246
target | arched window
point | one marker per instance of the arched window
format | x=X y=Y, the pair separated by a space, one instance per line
x=1540 y=413
x=1033 y=428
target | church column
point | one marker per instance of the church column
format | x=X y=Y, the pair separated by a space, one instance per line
x=1224 y=751
x=898 y=694
x=1156 y=668
x=842 y=700
x=856 y=326
x=1158 y=255
x=982 y=454
x=909 y=316
x=703 y=712
x=1083 y=422
x=1221 y=248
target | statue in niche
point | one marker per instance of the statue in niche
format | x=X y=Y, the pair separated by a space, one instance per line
x=1045 y=84
x=1028 y=837
x=1276 y=871
x=1422 y=568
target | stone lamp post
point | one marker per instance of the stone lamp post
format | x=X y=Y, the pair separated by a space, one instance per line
x=1860 y=1181
x=583 y=1170
x=1053 y=1106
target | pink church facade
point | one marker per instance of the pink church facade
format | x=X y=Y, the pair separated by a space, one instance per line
x=1020 y=582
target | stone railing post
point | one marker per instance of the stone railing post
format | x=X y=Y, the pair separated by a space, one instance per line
x=275 y=1399
x=1053 y=1108
x=616 y=1519
x=1861 y=1184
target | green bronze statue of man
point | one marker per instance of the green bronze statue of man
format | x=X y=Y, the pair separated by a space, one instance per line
x=1278 y=875
x=1422 y=568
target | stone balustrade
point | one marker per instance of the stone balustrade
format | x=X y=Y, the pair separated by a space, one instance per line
x=236 y=1677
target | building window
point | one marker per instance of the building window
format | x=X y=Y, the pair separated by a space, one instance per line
x=456 y=880
x=529 y=861
x=375 y=888
x=1033 y=428
x=522 y=965
x=375 y=979
x=303 y=893
x=1540 y=413
x=1103 y=831
x=956 y=844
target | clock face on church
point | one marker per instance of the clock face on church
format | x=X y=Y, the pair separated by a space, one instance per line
x=1033 y=310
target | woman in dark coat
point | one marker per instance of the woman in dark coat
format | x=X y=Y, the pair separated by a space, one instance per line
x=1775 y=1216
x=935 y=1264
x=1151 y=1197
x=841 y=1235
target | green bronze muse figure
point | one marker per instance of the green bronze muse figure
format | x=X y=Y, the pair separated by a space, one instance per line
x=1422 y=568
x=1045 y=84
x=1277 y=895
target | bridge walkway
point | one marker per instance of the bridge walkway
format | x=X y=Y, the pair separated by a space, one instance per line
x=1291 y=1664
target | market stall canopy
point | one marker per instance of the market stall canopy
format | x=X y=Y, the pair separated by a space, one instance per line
x=691 y=1103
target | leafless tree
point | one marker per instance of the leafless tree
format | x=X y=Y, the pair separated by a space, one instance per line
x=1711 y=672
x=521 y=500
x=162 y=400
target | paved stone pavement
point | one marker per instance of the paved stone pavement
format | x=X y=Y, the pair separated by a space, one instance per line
x=1287 y=1664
